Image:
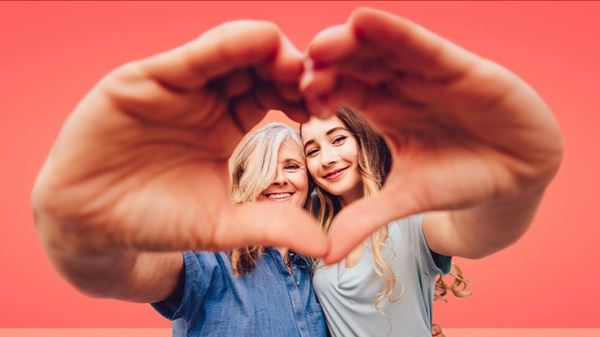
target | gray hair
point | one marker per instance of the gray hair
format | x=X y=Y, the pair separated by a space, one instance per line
x=253 y=164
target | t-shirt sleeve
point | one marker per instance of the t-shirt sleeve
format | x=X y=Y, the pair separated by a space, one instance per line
x=197 y=275
x=431 y=262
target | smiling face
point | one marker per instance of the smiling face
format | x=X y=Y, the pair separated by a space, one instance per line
x=332 y=157
x=290 y=184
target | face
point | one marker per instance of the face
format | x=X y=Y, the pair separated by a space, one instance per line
x=332 y=157
x=290 y=184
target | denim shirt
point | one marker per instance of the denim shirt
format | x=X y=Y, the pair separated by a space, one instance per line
x=269 y=301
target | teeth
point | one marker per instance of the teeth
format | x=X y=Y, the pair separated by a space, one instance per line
x=280 y=195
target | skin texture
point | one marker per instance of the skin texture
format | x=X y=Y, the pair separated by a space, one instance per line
x=473 y=145
x=139 y=169
x=290 y=184
x=332 y=157
x=138 y=172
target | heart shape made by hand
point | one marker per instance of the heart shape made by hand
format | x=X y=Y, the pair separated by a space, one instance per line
x=152 y=139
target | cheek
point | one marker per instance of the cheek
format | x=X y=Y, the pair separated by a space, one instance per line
x=301 y=182
x=312 y=166
x=261 y=197
x=349 y=151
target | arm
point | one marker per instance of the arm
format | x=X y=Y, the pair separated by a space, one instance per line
x=139 y=170
x=473 y=145
x=481 y=230
x=110 y=272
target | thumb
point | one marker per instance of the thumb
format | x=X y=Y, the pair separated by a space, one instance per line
x=268 y=224
x=363 y=217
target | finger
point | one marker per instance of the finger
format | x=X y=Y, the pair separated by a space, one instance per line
x=297 y=113
x=289 y=92
x=316 y=83
x=357 y=221
x=370 y=70
x=320 y=107
x=235 y=84
x=331 y=45
x=230 y=46
x=374 y=101
x=435 y=330
x=272 y=225
x=285 y=71
x=286 y=67
x=347 y=92
x=128 y=88
x=412 y=45
x=250 y=108
x=247 y=110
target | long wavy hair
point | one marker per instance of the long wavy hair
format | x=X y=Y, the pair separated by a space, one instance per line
x=374 y=164
x=252 y=168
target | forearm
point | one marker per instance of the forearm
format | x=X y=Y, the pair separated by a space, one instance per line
x=487 y=228
x=107 y=271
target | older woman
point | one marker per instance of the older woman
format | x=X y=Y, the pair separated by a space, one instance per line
x=252 y=291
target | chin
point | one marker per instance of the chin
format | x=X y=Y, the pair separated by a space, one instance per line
x=338 y=190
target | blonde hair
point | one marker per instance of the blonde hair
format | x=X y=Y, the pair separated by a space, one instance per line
x=252 y=168
x=374 y=163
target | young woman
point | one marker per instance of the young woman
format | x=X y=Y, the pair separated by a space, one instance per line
x=385 y=287
x=253 y=291
x=474 y=149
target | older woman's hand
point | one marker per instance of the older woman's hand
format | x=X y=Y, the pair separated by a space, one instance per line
x=142 y=161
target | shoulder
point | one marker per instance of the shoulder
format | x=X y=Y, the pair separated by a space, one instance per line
x=200 y=271
x=410 y=231
x=205 y=261
x=408 y=228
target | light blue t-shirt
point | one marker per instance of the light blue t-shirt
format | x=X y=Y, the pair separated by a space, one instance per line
x=347 y=295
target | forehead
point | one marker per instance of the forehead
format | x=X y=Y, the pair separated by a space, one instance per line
x=289 y=149
x=316 y=127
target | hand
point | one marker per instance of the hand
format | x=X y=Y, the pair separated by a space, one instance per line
x=436 y=330
x=142 y=161
x=462 y=130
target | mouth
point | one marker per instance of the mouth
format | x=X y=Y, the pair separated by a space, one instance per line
x=333 y=175
x=280 y=196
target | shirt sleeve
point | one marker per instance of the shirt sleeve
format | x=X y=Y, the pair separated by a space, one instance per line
x=199 y=269
x=431 y=262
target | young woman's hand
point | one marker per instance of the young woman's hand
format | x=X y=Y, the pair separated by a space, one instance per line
x=142 y=161
x=436 y=331
x=463 y=130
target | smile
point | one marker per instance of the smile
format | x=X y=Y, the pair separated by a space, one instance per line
x=335 y=174
x=279 y=196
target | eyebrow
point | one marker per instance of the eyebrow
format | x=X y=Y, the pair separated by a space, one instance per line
x=330 y=131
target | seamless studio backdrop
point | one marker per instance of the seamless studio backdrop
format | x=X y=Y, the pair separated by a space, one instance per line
x=53 y=53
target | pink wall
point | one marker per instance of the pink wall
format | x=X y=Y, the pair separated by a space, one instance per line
x=52 y=53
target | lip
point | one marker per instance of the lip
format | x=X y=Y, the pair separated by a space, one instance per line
x=335 y=174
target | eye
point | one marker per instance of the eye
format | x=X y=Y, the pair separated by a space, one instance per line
x=292 y=167
x=339 y=139
x=312 y=152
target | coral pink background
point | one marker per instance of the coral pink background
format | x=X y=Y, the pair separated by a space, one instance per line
x=52 y=53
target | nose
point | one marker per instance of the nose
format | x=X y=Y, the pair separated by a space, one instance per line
x=328 y=156
x=280 y=178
